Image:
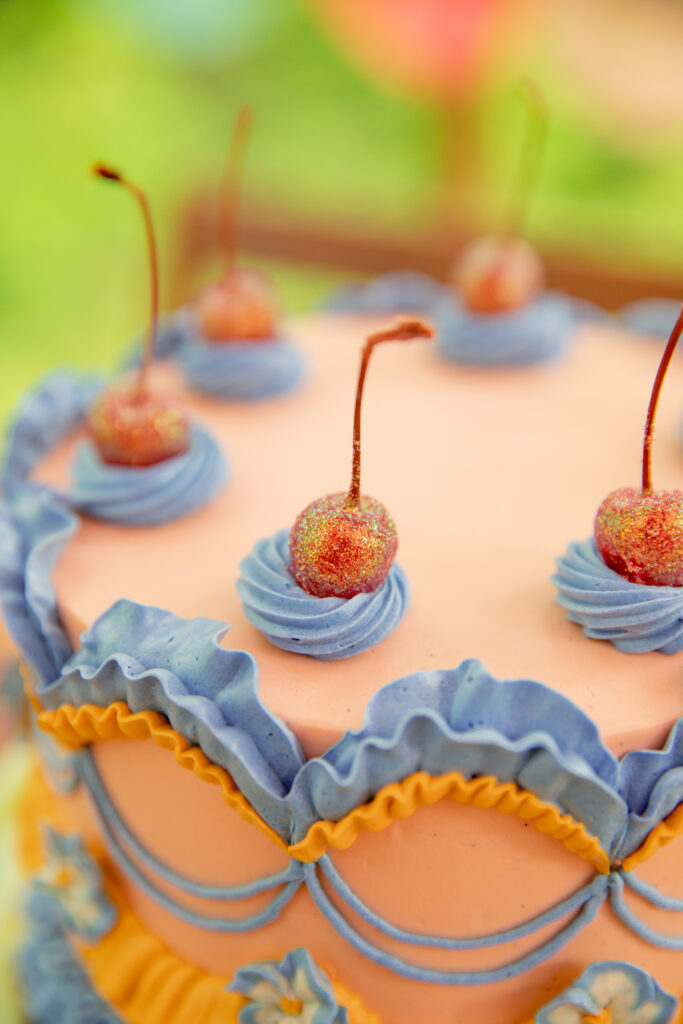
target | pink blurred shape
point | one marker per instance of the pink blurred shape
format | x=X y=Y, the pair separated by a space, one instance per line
x=441 y=48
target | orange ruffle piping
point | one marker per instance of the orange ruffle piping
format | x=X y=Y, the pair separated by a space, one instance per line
x=130 y=967
x=401 y=799
x=79 y=726
x=666 y=831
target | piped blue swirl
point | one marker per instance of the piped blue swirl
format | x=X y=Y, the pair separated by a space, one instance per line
x=148 y=495
x=47 y=413
x=634 y=617
x=247 y=370
x=327 y=628
x=655 y=317
x=403 y=291
x=535 y=333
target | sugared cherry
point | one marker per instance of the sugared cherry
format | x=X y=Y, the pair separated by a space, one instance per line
x=344 y=544
x=241 y=305
x=496 y=274
x=130 y=424
x=639 y=533
x=500 y=273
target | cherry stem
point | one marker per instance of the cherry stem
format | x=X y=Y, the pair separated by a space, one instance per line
x=231 y=188
x=103 y=171
x=404 y=329
x=531 y=156
x=654 y=399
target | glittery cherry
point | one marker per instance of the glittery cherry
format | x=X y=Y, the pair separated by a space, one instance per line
x=639 y=533
x=499 y=273
x=240 y=306
x=344 y=544
x=130 y=424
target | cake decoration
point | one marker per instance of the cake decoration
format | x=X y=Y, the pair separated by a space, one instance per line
x=650 y=316
x=294 y=990
x=639 y=534
x=610 y=991
x=145 y=463
x=57 y=405
x=344 y=544
x=130 y=424
x=330 y=589
x=73 y=881
x=227 y=342
x=624 y=586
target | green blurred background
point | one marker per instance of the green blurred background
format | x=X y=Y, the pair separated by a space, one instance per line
x=152 y=86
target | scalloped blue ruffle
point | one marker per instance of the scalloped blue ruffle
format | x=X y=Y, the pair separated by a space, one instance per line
x=634 y=617
x=462 y=719
x=148 y=495
x=326 y=628
x=34 y=529
x=536 y=333
x=48 y=412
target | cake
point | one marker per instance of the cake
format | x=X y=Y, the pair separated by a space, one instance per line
x=472 y=822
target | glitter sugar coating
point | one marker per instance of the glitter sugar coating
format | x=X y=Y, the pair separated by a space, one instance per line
x=239 y=307
x=132 y=430
x=339 y=550
x=640 y=535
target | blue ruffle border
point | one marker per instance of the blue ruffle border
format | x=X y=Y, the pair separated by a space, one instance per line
x=634 y=617
x=326 y=628
x=54 y=407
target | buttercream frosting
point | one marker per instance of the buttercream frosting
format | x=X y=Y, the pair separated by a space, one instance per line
x=327 y=628
x=636 y=618
x=148 y=495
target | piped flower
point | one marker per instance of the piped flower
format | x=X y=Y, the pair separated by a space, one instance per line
x=73 y=881
x=294 y=991
x=610 y=993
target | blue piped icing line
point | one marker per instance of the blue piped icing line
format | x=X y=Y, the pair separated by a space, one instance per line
x=51 y=410
x=536 y=333
x=655 y=317
x=634 y=617
x=327 y=628
x=237 y=369
x=148 y=495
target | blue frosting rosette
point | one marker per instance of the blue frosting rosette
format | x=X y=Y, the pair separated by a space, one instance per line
x=148 y=495
x=651 y=316
x=327 y=628
x=634 y=617
x=236 y=369
x=535 y=333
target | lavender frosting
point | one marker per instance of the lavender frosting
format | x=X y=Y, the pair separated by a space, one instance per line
x=536 y=333
x=249 y=370
x=399 y=292
x=634 y=617
x=327 y=628
x=651 y=316
x=148 y=495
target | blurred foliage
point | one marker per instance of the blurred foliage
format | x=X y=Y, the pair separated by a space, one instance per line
x=152 y=86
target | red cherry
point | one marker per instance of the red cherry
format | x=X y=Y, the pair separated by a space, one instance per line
x=344 y=544
x=639 y=534
x=130 y=424
x=497 y=274
x=137 y=429
x=239 y=306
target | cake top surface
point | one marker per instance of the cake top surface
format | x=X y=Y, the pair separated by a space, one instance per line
x=489 y=474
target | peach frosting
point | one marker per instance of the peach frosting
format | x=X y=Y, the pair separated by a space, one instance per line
x=488 y=474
